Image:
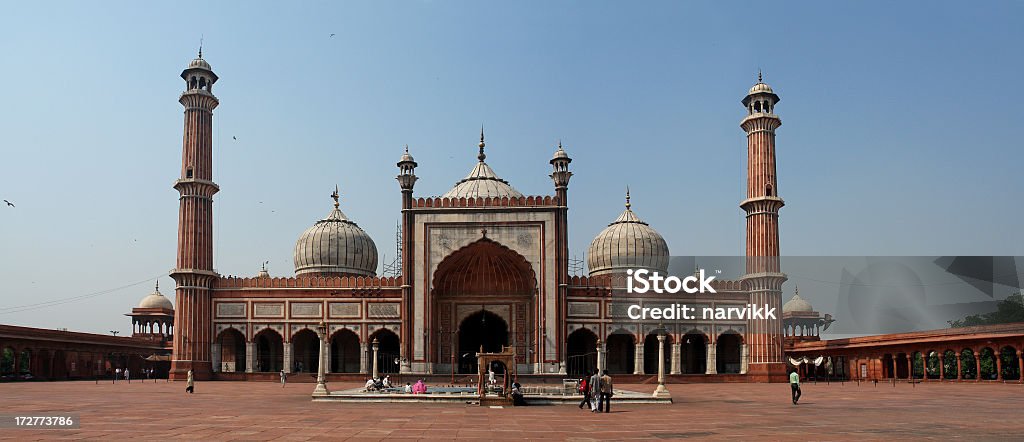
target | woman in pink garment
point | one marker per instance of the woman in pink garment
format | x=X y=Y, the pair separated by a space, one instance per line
x=419 y=388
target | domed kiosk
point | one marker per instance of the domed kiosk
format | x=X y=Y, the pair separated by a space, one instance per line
x=627 y=243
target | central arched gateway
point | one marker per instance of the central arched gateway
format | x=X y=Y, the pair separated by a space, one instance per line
x=483 y=294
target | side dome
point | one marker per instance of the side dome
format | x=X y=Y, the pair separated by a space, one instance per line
x=156 y=300
x=627 y=243
x=797 y=305
x=482 y=181
x=335 y=246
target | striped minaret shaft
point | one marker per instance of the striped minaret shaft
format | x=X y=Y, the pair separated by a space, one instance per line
x=194 y=271
x=764 y=278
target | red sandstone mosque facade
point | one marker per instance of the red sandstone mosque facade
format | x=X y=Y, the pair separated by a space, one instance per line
x=483 y=266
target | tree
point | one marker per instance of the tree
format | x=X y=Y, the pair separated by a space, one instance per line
x=1008 y=310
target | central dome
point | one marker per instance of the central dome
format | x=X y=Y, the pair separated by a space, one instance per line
x=482 y=181
x=335 y=246
x=627 y=243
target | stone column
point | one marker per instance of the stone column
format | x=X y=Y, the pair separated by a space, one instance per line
x=712 y=361
x=959 y=367
x=744 y=359
x=942 y=366
x=215 y=356
x=910 y=366
x=638 y=358
x=363 y=362
x=250 y=357
x=287 y=357
x=894 y=367
x=326 y=357
x=999 y=364
x=1020 y=367
x=321 y=382
x=661 y=391
x=375 y=347
x=677 y=349
x=600 y=355
x=977 y=366
x=924 y=365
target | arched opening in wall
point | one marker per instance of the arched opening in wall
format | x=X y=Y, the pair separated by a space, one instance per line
x=483 y=275
x=481 y=329
x=949 y=364
x=25 y=362
x=1011 y=368
x=768 y=190
x=651 y=354
x=917 y=365
x=232 y=351
x=45 y=365
x=988 y=364
x=728 y=350
x=621 y=353
x=933 y=364
x=968 y=364
x=269 y=351
x=7 y=361
x=901 y=366
x=887 y=366
x=694 y=353
x=59 y=364
x=305 y=351
x=345 y=352
x=388 y=351
x=581 y=352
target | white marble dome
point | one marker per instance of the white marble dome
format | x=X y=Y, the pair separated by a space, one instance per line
x=199 y=63
x=335 y=245
x=156 y=300
x=761 y=88
x=482 y=181
x=797 y=305
x=627 y=243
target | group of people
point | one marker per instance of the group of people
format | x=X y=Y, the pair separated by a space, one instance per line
x=126 y=373
x=597 y=391
x=379 y=383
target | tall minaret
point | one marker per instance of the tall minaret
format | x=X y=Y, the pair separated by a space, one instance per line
x=407 y=181
x=193 y=272
x=560 y=174
x=763 y=276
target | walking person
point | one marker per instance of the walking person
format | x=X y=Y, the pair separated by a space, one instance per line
x=190 y=383
x=794 y=385
x=585 y=390
x=595 y=391
x=606 y=392
x=117 y=374
x=127 y=376
x=284 y=378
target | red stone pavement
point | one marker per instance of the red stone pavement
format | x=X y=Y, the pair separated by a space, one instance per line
x=266 y=411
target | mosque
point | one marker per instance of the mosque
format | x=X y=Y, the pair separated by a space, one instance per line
x=482 y=266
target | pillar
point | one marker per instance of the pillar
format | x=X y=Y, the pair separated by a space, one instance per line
x=999 y=364
x=363 y=361
x=321 y=384
x=638 y=358
x=676 y=357
x=977 y=366
x=959 y=367
x=910 y=366
x=287 y=357
x=744 y=358
x=600 y=355
x=325 y=359
x=250 y=357
x=1020 y=367
x=942 y=366
x=712 y=362
x=661 y=391
x=924 y=365
x=894 y=367
x=215 y=356
x=375 y=348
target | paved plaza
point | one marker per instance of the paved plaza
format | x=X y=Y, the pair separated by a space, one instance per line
x=266 y=411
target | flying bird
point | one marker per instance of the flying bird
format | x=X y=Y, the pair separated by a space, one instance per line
x=234 y=138
x=9 y=203
x=332 y=35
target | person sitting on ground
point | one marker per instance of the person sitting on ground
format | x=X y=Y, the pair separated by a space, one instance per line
x=517 y=395
x=419 y=388
x=408 y=388
x=370 y=385
x=378 y=383
x=387 y=381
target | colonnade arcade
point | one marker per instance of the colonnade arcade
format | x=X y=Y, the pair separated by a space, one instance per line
x=623 y=352
x=269 y=352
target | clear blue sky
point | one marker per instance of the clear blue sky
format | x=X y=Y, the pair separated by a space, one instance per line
x=901 y=131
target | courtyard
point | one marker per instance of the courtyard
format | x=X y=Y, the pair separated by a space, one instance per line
x=266 y=411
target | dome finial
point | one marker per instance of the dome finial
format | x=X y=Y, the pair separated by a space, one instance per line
x=200 y=45
x=628 y=205
x=335 y=196
x=481 y=155
x=158 y=286
x=759 y=76
x=796 y=289
x=406 y=148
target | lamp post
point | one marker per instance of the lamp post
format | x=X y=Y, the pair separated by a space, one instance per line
x=375 y=346
x=661 y=391
x=321 y=381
